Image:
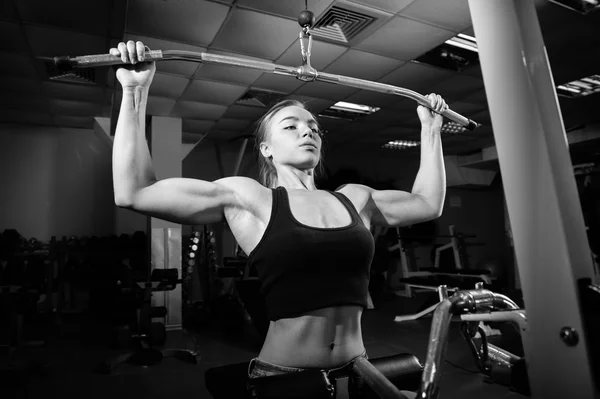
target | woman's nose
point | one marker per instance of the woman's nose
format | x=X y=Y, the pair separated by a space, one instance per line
x=307 y=131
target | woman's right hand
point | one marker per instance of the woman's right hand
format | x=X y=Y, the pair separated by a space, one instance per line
x=136 y=72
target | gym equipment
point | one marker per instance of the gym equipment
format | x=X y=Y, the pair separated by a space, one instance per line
x=146 y=332
x=305 y=72
x=231 y=381
x=436 y=278
x=552 y=255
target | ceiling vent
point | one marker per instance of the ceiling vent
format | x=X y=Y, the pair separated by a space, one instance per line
x=259 y=98
x=348 y=23
x=76 y=75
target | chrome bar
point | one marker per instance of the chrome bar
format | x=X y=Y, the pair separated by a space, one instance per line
x=301 y=73
x=518 y=317
x=461 y=302
x=375 y=380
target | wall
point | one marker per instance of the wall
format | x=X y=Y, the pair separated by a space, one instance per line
x=55 y=182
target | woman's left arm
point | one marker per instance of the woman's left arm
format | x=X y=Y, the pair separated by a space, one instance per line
x=426 y=199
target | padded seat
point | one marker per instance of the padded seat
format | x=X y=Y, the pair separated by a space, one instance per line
x=229 y=381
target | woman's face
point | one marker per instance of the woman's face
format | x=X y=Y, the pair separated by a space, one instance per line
x=293 y=139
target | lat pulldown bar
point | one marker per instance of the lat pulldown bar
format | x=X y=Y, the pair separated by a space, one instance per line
x=304 y=73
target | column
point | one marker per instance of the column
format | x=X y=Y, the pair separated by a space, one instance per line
x=165 y=237
x=541 y=194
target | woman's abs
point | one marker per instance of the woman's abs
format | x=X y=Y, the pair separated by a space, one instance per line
x=324 y=338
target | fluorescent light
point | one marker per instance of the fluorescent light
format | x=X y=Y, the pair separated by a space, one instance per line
x=463 y=41
x=580 y=87
x=581 y=6
x=453 y=128
x=357 y=108
x=401 y=144
x=569 y=88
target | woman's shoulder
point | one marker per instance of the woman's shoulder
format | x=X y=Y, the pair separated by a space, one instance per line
x=246 y=189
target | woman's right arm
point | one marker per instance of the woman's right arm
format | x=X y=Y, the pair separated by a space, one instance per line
x=180 y=200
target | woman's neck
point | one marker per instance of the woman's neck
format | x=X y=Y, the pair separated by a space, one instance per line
x=292 y=178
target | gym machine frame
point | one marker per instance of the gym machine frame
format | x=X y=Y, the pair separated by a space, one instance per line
x=535 y=163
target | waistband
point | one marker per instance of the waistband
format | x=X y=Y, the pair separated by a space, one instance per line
x=285 y=369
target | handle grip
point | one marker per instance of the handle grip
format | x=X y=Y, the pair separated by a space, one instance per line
x=66 y=62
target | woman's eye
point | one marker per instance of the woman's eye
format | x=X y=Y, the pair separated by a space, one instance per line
x=290 y=127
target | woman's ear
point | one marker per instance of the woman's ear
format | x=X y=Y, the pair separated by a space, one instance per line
x=265 y=150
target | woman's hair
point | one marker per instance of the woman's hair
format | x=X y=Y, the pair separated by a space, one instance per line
x=266 y=170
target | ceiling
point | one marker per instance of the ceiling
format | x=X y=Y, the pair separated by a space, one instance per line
x=206 y=96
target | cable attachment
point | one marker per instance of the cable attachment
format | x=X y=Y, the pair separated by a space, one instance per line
x=306 y=72
x=306 y=20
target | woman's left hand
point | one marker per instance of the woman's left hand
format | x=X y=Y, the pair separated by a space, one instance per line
x=432 y=118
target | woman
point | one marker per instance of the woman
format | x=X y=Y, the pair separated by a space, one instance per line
x=312 y=248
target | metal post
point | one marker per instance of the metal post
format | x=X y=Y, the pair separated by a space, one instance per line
x=240 y=156
x=541 y=195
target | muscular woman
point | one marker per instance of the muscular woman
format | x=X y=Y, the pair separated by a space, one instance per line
x=312 y=248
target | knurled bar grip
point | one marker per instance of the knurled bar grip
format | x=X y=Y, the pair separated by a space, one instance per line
x=297 y=72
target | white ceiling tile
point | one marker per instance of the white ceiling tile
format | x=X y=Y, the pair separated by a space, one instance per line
x=187 y=21
x=450 y=14
x=74 y=121
x=170 y=86
x=286 y=8
x=386 y=5
x=184 y=68
x=81 y=16
x=195 y=110
x=417 y=77
x=256 y=34
x=17 y=43
x=390 y=116
x=404 y=39
x=159 y=106
x=227 y=74
x=51 y=42
x=232 y=124
x=213 y=92
x=237 y=111
x=457 y=87
x=16 y=65
x=278 y=83
x=465 y=108
x=197 y=126
x=314 y=105
x=325 y=91
x=321 y=54
x=372 y=98
x=332 y=124
x=71 y=91
x=362 y=65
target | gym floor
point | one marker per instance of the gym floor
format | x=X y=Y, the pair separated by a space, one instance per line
x=65 y=367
